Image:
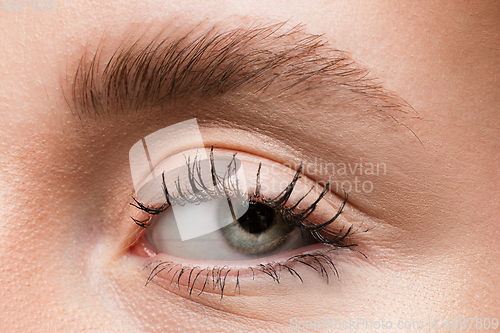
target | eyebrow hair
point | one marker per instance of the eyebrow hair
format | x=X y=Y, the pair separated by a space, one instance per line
x=272 y=61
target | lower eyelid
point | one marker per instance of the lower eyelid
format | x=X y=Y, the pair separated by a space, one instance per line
x=226 y=278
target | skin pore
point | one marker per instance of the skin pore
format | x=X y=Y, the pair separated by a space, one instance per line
x=420 y=95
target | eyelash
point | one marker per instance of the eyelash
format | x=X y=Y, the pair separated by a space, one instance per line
x=318 y=261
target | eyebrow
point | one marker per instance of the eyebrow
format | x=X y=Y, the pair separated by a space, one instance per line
x=271 y=61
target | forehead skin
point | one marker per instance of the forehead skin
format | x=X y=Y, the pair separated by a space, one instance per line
x=65 y=182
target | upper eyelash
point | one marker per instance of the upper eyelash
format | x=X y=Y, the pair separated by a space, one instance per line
x=199 y=192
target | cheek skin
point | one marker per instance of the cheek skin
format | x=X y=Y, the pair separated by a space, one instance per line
x=63 y=262
x=48 y=269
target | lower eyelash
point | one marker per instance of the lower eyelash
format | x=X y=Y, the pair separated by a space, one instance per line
x=216 y=277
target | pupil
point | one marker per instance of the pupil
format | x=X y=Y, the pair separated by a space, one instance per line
x=258 y=218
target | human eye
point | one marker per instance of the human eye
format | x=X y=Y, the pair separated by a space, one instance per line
x=210 y=218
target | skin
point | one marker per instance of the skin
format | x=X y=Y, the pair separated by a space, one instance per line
x=433 y=239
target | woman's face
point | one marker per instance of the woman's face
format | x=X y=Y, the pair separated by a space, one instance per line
x=395 y=103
